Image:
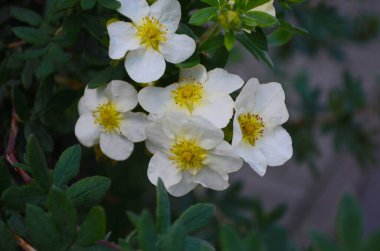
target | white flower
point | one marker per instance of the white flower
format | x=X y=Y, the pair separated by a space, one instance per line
x=267 y=7
x=105 y=118
x=196 y=93
x=149 y=39
x=189 y=151
x=257 y=135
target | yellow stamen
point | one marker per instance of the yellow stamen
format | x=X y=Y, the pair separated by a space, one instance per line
x=151 y=32
x=188 y=94
x=252 y=127
x=107 y=116
x=187 y=155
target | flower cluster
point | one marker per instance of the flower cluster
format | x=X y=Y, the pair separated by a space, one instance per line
x=183 y=130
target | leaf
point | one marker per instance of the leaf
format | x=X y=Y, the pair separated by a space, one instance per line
x=27 y=16
x=255 y=3
x=174 y=240
x=202 y=16
x=230 y=239
x=321 y=243
x=104 y=76
x=87 y=4
x=373 y=242
x=5 y=177
x=146 y=234
x=214 y=3
x=27 y=74
x=349 y=223
x=212 y=44
x=67 y=166
x=20 y=103
x=193 y=243
x=17 y=197
x=31 y=35
x=196 y=217
x=262 y=19
x=45 y=68
x=43 y=136
x=279 y=37
x=37 y=162
x=64 y=216
x=229 y=40
x=43 y=232
x=7 y=240
x=93 y=228
x=89 y=191
x=162 y=209
x=110 y=4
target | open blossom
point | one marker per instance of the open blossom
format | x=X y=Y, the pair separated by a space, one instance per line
x=106 y=119
x=257 y=134
x=197 y=92
x=267 y=8
x=149 y=39
x=189 y=151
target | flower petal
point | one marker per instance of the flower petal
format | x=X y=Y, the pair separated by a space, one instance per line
x=276 y=146
x=145 y=65
x=156 y=137
x=122 y=39
x=177 y=48
x=267 y=8
x=94 y=97
x=161 y=167
x=253 y=156
x=211 y=179
x=82 y=108
x=198 y=72
x=223 y=160
x=183 y=187
x=245 y=101
x=218 y=111
x=168 y=12
x=220 y=81
x=87 y=131
x=134 y=9
x=122 y=94
x=155 y=99
x=115 y=146
x=237 y=134
x=133 y=126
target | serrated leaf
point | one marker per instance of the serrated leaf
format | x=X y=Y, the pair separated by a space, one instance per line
x=174 y=239
x=25 y=15
x=145 y=232
x=202 y=16
x=230 y=239
x=16 y=197
x=87 y=4
x=93 y=228
x=67 y=166
x=110 y=4
x=196 y=217
x=31 y=35
x=193 y=243
x=89 y=191
x=162 y=208
x=7 y=240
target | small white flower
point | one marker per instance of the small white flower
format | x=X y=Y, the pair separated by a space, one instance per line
x=105 y=119
x=149 y=39
x=196 y=93
x=257 y=135
x=267 y=7
x=189 y=151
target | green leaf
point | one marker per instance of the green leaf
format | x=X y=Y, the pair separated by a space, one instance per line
x=279 y=37
x=349 y=223
x=37 y=162
x=253 y=241
x=20 y=103
x=174 y=240
x=259 y=38
x=104 y=76
x=214 y=3
x=64 y=216
x=27 y=74
x=202 y=16
x=196 y=217
x=255 y=3
x=43 y=136
x=67 y=166
x=146 y=234
x=110 y=4
x=193 y=243
x=7 y=240
x=230 y=239
x=89 y=191
x=93 y=228
x=5 y=177
x=162 y=209
x=262 y=19
x=321 y=243
x=31 y=35
x=43 y=232
x=373 y=242
x=27 y=16
x=229 y=40
x=45 y=68
x=17 y=197
x=87 y=4
x=212 y=44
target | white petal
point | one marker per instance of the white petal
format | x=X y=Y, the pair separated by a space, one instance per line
x=277 y=146
x=87 y=131
x=266 y=7
x=94 y=97
x=168 y=12
x=211 y=179
x=220 y=81
x=253 y=156
x=122 y=39
x=245 y=102
x=218 y=111
x=223 y=160
x=197 y=72
x=237 y=135
x=82 y=108
x=177 y=48
x=133 y=126
x=115 y=146
x=156 y=138
x=155 y=99
x=161 y=167
x=134 y=9
x=122 y=94
x=184 y=186
x=145 y=65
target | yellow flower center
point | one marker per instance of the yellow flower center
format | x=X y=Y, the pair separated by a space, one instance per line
x=252 y=127
x=188 y=94
x=151 y=32
x=187 y=155
x=107 y=116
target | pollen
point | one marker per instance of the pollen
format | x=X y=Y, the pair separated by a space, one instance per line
x=188 y=155
x=151 y=32
x=107 y=116
x=252 y=127
x=188 y=94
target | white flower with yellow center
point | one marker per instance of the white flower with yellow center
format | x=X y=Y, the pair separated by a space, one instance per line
x=267 y=7
x=149 y=39
x=198 y=92
x=257 y=134
x=105 y=119
x=189 y=151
